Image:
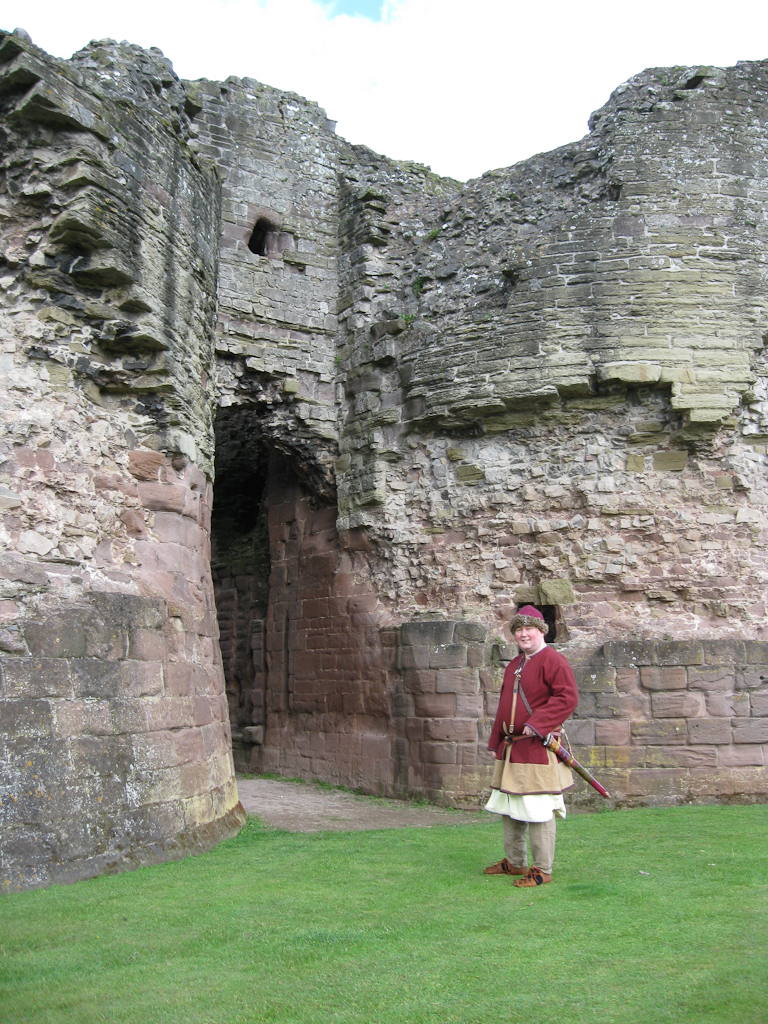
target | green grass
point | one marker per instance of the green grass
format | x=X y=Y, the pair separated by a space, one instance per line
x=402 y=926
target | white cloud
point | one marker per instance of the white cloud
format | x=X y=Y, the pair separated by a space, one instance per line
x=462 y=87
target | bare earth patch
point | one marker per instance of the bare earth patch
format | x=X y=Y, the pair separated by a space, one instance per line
x=299 y=807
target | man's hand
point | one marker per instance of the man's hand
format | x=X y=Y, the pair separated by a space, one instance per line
x=528 y=731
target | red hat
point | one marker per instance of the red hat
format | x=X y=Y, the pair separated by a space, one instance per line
x=529 y=616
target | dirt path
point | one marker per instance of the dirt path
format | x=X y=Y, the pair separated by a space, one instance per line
x=298 y=807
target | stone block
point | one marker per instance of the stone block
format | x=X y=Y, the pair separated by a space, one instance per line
x=253 y=734
x=557 y=592
x=26 y=718
x=664 y=732
x=35 y=678
x=756 y=652
x=624 y=756
x=448 y=656
x=670 y=461
x=679 y=652
x=470 y=633
x=614 y=734
x=427 y=633
x=627 y=680
x=740 y=756
x=420 y=680
x=145 y=465
x=709 y=730
x=759 y=704
x=462 y=730
x=654 y=783
x=724 y=705
x=435 y=705
x=727 y=653
x=58 y=635
x=712 y=679
x=477 y=655
x=677 y=705
x=681 y=757
x=464 y=681
x=470 y=705
x=752 y=678
x=438 y=753
x=750 y=730
x=159 y=497
x=416 y=657
x=602 y=680
x=629 y=654
x=656 y=678
x=580 y=731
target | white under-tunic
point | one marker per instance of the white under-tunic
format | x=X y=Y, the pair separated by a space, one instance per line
x=534 y=807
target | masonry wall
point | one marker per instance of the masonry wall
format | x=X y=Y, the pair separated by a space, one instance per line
x=115 y=747
x=657 y=722
x=548 y=385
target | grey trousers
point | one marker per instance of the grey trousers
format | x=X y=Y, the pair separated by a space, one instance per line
x=542 y=838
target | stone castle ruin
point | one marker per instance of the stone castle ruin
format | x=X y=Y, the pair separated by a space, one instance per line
x=289 y=429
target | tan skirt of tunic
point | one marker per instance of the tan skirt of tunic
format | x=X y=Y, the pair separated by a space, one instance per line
x=524 y=779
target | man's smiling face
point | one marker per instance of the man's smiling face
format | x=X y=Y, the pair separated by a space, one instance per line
x=529 y=639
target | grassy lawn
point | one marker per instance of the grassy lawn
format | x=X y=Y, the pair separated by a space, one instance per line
x=402 y=926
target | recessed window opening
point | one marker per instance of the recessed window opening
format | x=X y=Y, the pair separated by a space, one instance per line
x=549 y=611
x=264 y=238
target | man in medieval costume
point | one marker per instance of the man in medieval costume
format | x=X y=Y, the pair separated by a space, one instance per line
x=537 y=695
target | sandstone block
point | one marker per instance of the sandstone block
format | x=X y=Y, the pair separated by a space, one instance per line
x=427 y=633
x=557 y=592
x=759 y=704
x=725 y=652
x=464 y=681
x=581 y=731
x=463 y=730
x=712 y=679
x=681 y=757
x=674 y=461
x=448 y=656
x=469 y=633
x=722 y=705
x=435 y=705
x=653 y=678
x=664 y=732
x=709 y=730
x=420 y=680
x=470 y=705
x=630 y=654
x=750 y=730
x=752 y=678
x=613 y=734
x=415 y=657
x=680 y=652
x=624 y=756
x=677 y=705
x=438 y=753
x=740 y=756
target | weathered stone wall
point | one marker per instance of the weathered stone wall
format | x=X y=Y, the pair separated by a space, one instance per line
x=425 y=403
x=115 y=742
x=657 y=721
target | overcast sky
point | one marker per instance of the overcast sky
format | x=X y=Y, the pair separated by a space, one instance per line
x=462 y=85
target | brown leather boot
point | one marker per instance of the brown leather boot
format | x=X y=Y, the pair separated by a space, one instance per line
x=533 y=878
x=505 y=868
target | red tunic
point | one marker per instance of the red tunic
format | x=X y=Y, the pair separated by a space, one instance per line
x=550 y=687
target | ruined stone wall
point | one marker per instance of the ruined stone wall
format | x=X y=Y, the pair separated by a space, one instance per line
x=424 y=403
x=115 y=742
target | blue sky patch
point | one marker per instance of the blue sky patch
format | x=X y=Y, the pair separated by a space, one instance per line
x=370 y=9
